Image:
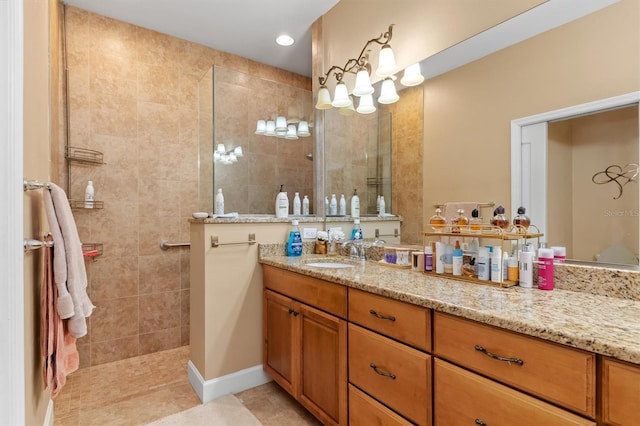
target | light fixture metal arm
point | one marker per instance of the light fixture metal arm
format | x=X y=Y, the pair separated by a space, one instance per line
x=361 y=61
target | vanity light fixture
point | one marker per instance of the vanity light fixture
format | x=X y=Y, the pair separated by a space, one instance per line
x=227 y=156
x=361 y=67
x=282 y=127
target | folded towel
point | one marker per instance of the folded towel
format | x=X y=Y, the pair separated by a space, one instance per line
x=63 y=229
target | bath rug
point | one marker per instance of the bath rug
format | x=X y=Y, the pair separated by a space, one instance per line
x=224 y=411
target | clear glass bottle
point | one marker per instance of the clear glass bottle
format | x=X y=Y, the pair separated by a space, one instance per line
x=521 y=220
x=459 y=223
x=437 y=221
x=475 y=223
x=500 y=219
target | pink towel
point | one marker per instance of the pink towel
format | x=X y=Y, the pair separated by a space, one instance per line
x=69 y=271
x=57 y=345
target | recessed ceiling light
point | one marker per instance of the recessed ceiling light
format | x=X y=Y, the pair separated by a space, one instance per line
x=284 y=40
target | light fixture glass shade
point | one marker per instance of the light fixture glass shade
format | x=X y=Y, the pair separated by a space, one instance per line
x=386 y=62
x=232 y=157
x=388 y=93
x=303 y=129
x=324 y=98
x=221 y=149
x=238 y=151
x=340 y=96
x=216 y=156
x=363 y=83
x=349 y=109
x=412 y=75
x=261 y=127
x=366 y=105
x=291 y=132
x=281 y=124
x=270 y=129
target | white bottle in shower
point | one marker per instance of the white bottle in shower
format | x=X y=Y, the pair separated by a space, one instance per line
x=297 y=205
x=89 y=195
x=333 y=205
x=282 y=204
x=343 y=206
x=305 y=205
x=219 y=202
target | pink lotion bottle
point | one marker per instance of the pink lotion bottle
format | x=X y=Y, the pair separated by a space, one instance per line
x=545 y=269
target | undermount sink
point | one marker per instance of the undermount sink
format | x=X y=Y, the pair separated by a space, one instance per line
x=329 y=265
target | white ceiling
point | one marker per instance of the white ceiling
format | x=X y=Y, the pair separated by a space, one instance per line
x=247 y=28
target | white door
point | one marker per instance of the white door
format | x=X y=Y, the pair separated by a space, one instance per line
x=12 y=374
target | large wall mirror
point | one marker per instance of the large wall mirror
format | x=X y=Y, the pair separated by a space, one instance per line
x=230 y=105
x=576 y=169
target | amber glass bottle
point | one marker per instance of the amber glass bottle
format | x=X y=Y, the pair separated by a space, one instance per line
x=521 y=220
x=460 y=223
x=500 y=219
x=475 y=224
x=437 y=221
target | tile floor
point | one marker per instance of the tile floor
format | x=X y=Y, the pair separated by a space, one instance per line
x=139 y=390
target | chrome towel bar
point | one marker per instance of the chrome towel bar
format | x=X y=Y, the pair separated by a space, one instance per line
x=166 y=245
x=489 y=204
x=215 y=243
x=29 y=185
x=378 y=234
x=31 y=244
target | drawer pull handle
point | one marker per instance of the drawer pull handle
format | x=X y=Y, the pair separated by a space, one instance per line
x=382 y=373
x=291 y=311
x=385 y=317
x=498 y=357
x=480 y=422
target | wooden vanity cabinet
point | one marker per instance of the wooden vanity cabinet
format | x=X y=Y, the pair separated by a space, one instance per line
x=305 y=346
x=620 y=393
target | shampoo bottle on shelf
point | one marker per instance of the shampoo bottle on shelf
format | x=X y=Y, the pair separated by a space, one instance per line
x=282 y=204
x=305 y=205
x=428 y=258
x=219 y=202
x=333 y=205
x=457 y=259
x=355 y=205
x=496 y=264
x=89 y=195
x=297 y=205
x=383 y=206
x=343 y=206
x=294 y=243
x=326 y=205
x=525 y=264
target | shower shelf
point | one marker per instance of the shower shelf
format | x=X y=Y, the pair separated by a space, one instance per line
x=81 y=204
x=92 y=250
x=84 y=155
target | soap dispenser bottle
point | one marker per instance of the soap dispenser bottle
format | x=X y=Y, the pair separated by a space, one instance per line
x=294 y=243
x=355 y=205
x=282 y=204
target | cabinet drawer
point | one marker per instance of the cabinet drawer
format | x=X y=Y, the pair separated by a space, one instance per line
x=620 y=393
x=559 y=374
x=394 y=374
x=401 y=321
x=366 y=411
x=321 y=294
x=465 y=398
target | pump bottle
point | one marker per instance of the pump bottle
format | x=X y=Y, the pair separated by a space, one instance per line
x=355 y=205
x=282 y=204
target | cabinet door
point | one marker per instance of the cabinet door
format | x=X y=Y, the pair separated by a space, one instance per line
x=620 y=393
x=323 y=390
x=281 y=360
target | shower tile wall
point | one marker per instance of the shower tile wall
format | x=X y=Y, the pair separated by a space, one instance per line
x=133 y=96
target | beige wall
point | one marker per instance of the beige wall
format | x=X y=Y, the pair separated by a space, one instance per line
x=468 y=110
x=40 y=120
x=133 y=96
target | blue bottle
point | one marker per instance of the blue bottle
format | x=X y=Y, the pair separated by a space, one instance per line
x=294 y=243
x=356 y=232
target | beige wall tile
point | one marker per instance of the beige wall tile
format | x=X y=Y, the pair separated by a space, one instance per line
x=114 y=318
x=114 y=278
x=113 y=350
x=160 y=340
x=159 y=273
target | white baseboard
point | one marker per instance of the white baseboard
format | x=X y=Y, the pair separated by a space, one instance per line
x=49 y=416
x=231 y=383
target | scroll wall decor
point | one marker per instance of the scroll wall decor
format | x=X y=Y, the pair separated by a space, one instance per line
x=619 y=175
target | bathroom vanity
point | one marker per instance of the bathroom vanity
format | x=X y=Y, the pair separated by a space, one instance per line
x=408 y=348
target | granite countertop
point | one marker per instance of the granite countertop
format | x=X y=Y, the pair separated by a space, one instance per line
x=605 y=325
x=269 y=218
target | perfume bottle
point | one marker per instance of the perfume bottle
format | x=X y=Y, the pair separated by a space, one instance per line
x=437 y=221
x=521 y=220
x=475 y=223
x=459 y=223
x=500 y=219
